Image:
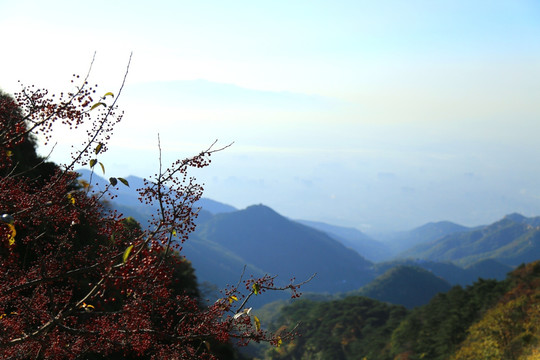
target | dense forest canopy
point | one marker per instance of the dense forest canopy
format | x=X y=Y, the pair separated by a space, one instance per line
x=495 y=320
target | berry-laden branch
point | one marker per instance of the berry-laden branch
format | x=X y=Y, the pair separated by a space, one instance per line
x=80 y=281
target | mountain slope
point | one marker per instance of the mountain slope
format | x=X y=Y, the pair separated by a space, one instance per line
x=409 y=286
x=512 y=241
x=128 y=197
x=285 y=248
x=487 y=320
x=455 y=275
x=369 y=248
x=402 y=241
x=351 y=328
x=510 y=329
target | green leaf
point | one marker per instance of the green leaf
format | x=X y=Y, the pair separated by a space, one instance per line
x=98 y=148
x=108 y=94
x=257 y=323
x=102 y=167
x=256 y=288
x=126 y=253
x=173 y=232
x=97 y=104
x=123 y=181
x=93 y=162
x=113 y=181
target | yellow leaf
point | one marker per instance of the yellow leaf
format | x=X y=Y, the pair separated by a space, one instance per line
x=279 y=341
x=87 y=307
x=256 y=287
x=71 y=198
x=85 y=184
x=12 y=236
x=232 y=298
x=9 y=153
x=96 y=105
x=257 y=323
x=126 y=253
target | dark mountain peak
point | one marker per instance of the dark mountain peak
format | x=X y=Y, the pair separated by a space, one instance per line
x=260 y=209
x=404 y=270
x=425 y=234
x=286 y=248
x=514 y=220
x=515 y=217
x=406 y=285
x=258 y=215
x=439 y=227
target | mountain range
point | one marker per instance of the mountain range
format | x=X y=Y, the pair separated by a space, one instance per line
x=257 y=238
x=512 y=240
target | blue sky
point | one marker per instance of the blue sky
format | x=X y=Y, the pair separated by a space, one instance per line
x=381 y=115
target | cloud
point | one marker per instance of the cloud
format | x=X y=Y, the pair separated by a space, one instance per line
x=207 y=94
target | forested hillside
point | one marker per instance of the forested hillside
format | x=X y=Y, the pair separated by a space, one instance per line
x=496 y=320
x=340 y=329
x=405 y=285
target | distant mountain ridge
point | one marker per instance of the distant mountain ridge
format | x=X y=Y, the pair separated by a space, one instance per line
x=455 y=275
x=128 y=197
x=512 y=240
x=404 y=240
x=353 y=238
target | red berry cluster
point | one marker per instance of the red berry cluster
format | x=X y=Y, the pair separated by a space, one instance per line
x=77 y=279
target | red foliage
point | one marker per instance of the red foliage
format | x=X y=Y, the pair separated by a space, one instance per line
x=76 y=279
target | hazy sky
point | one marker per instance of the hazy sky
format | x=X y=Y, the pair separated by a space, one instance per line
x=373 y=114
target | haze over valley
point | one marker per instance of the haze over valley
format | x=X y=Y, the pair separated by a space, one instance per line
x=382 y=117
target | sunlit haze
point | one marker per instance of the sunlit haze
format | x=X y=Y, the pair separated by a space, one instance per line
x=381 y=115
